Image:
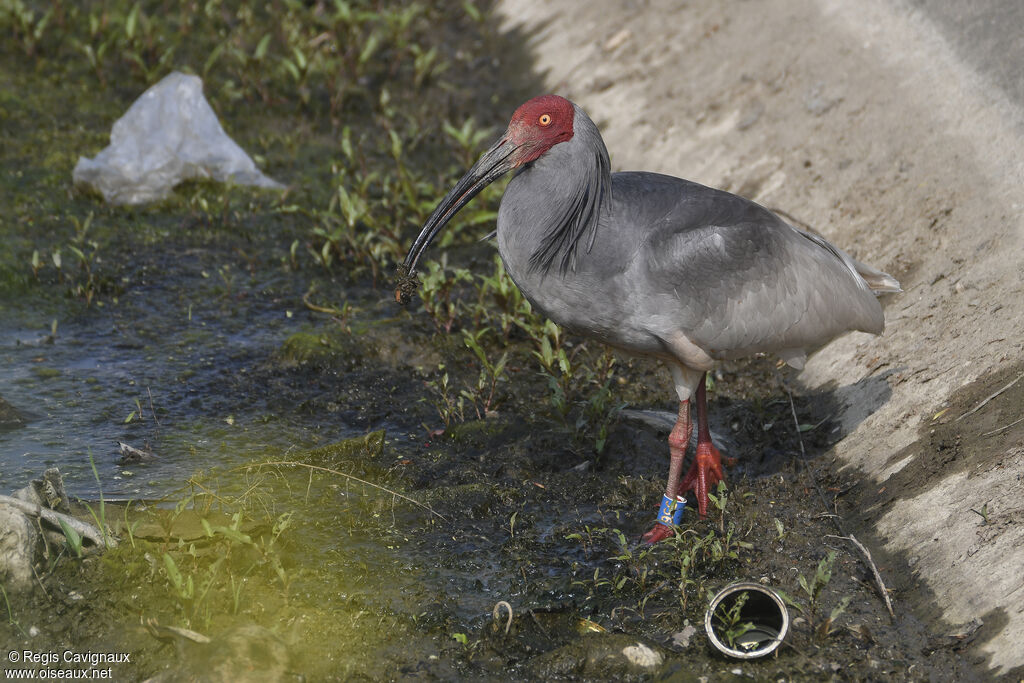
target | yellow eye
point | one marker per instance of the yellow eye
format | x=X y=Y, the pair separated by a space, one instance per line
x=544 y=120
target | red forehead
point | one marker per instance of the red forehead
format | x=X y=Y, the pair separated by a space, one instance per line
x=558 y=108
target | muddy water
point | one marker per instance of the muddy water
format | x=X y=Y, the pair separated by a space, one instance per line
x=163 y=369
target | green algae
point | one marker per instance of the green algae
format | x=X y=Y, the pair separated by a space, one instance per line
x=365 y=447
x=45 y=373
x=306 y=347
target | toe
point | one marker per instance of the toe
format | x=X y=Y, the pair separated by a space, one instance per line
x=659 y=533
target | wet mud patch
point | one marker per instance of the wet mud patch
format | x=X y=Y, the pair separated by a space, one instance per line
x=341 y=578
x=971 y=432
x=533 y=522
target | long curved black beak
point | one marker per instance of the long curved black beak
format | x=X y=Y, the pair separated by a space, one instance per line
x=496 y=162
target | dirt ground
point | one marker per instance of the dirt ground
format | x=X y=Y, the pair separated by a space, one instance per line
x=859 y=120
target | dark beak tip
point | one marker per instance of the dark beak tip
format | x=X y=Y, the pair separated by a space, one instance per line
x=405 y=286
x=495 y=162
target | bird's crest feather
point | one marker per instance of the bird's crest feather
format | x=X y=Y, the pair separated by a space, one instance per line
x=578 y=224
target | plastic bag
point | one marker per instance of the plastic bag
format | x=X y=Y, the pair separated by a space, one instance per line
x=168 y=135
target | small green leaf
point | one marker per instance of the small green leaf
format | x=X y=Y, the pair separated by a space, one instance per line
x=396 y=144
x=172 y=572
x=261 y=48
x=346 y=143
x=131 y=21
x=233 y=535
x=300 y=59
x=73 y=537
x=369 y=47
x=290 y=67
x=471 y=10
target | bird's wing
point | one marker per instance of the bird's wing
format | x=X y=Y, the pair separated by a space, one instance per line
x=736 y=279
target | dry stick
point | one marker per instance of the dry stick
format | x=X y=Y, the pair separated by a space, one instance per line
x=837 y=523
x=87 y=531
x=803 y=453
x=151 y=408
x=1004 y=428
x=803 y=654
x=539 y=625
x=497 y=613
x=651 y=592
x=292 y=463
x=39 y=579
x=874 y=570
x=982 y=404
x=166 y=634
x=314 y=307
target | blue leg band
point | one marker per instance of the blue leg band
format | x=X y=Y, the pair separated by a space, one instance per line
x=671 y=511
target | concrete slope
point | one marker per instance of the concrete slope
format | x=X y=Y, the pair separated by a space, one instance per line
x=868 y=122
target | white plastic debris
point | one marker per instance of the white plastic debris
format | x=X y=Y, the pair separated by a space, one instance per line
x=643 y=656
x=168 y=135
x=681 y=639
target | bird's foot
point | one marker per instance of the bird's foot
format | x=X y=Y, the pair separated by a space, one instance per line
x=670 y=514
x=658 y=533
x=704 y=474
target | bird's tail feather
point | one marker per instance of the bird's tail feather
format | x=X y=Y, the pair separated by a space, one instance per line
x=879 y=282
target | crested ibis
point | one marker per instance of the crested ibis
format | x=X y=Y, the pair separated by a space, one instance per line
x=657 y=266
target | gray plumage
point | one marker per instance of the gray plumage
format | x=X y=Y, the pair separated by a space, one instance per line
x=664 y=257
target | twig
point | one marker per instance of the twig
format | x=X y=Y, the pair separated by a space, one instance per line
x=982 y=404
x=497 y=613
x=539 y=625
x=838 y=524
x=168 y=634
x=151 y=408
x=654 y=590
x=40 y=581
x=803 y=462
x=319 y=309
x=1004 y=428
x=84 y=530
x=803 y=654
x=874 y=570
x=10 y=614
x=836 y=518
x=292 y=463
x=796 y=421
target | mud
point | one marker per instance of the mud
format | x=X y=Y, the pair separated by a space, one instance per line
x=530 y=517
x=977 y=428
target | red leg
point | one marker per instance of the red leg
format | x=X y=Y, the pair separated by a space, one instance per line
x=678 y=440
x=707 y=465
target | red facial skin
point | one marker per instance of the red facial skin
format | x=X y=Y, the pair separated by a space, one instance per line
x=538 y=125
